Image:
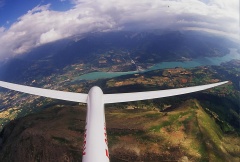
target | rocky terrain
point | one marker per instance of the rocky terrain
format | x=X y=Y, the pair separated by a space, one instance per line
x=203 y=126
x=185 y=133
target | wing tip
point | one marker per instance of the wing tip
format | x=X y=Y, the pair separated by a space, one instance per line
x=221 y=83
x=122 y=97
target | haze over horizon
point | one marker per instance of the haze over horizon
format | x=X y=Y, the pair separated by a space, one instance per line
x=42 y=22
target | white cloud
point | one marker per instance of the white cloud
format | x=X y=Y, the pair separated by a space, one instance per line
x=42 y=25
x=49 y=36
x=2 y=30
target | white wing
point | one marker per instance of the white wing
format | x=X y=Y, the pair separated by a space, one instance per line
x=61 y=95
x=126 y=97
x=108 y=98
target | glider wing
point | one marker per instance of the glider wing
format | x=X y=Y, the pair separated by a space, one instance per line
x=136 y=96
x=61 y=95
x=107 y=98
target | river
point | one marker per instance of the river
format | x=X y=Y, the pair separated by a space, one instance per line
x=204 y=61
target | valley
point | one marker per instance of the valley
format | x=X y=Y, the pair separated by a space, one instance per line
x=202 y=126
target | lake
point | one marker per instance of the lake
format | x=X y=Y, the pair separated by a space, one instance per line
x=204 y=61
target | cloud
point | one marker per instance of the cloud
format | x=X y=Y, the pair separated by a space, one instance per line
x=42 y=25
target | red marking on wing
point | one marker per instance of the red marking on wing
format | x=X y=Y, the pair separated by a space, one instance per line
x=107 y=153
x=84 y=142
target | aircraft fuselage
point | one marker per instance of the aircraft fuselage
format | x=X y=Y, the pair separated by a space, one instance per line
x=95 y=146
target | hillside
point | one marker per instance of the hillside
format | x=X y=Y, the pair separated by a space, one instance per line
x=149 y=47
x=202 y=126
x=185 y=132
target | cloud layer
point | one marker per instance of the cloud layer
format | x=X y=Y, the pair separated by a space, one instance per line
x=42 y=25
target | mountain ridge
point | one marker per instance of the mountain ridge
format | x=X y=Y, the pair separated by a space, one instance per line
x=57 y=134
x=147 y=47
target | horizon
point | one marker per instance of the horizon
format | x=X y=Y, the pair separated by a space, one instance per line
x=38 y=23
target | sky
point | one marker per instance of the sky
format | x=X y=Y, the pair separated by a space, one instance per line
x=27 y=24
x=11 y=10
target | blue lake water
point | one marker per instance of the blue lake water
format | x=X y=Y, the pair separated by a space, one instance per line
x=164 y=65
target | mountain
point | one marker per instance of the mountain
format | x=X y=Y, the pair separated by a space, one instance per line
x=197 y=127
x=56 y=134
x=146 y=47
